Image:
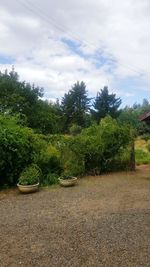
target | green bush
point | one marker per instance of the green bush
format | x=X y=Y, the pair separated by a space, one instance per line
x=18 y=147
x=100 y=144
x=121 y=161
x=142 y=157
x=97 y=149
x=75 y=129
x=71 y=157
x=49 y=160
x=50 y=179
x=30 y=175
x=73 y=166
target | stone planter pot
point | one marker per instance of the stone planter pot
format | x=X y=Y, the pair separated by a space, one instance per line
x=28 y=188
x=68 y=182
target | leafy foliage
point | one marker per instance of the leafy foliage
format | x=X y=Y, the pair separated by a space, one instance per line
x=130 y=116
x=20 y=147
x=22 y=98
x=97 y=142
x=30 y=175
x=50 y=179
x=44 y=118
x=17 y=96
x=16 y=149
x=49 y=160
x=103 y=142
x=96 y=148
x=75 y=129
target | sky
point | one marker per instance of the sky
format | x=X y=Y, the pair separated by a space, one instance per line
x=54 y=44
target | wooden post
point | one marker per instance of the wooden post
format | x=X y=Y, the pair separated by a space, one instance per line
x=132 y=157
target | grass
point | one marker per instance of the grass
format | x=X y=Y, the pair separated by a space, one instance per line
x=142 y=151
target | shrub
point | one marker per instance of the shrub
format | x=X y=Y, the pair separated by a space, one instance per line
x=49 y=160
x=18 y=147
x=73 y=166
x=50 y=179
x=71 y=157
x=75 y=129
x=30 y=175
x=97 y=149
x=102 y=143
x=121 y=161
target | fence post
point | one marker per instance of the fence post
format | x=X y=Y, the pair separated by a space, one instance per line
x=132 y=157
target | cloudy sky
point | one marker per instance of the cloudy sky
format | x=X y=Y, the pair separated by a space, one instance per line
x=54 y=43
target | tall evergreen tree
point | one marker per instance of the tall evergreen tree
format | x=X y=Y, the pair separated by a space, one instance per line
x=75 y=104
x=105 y=104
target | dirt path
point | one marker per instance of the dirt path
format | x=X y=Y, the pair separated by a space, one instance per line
x=104 y=221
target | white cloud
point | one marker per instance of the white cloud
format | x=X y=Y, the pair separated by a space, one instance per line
x=31 y=33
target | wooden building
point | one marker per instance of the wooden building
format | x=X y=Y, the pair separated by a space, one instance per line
x=145 y=117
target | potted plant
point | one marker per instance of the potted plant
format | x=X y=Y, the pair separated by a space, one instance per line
x=67 y=180
x=29 y=179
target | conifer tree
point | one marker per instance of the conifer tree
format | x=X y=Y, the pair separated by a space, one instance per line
x=105 y=104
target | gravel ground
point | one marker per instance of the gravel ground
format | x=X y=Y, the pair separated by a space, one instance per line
x=103 y=221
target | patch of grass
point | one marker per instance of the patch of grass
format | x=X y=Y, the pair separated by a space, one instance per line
x=141 y=144
x=142 y=157
x=142 y=151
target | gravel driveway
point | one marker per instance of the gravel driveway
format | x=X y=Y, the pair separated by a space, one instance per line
x=103 y=221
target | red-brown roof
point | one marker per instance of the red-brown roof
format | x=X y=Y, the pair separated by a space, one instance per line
x=145 y=117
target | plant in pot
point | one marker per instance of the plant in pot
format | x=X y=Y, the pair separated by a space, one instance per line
x=67 y=180
x=29 y=179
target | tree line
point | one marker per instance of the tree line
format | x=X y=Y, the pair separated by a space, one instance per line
x=76 y=110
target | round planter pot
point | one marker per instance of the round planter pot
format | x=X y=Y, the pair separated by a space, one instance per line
x=28 y=188
x=68 y=182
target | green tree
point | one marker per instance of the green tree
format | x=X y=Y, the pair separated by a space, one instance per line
x=16 y=96
x=24 y=99
x=131 y=115
x=75 y=105
x=105 y=104
x=45 y=118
